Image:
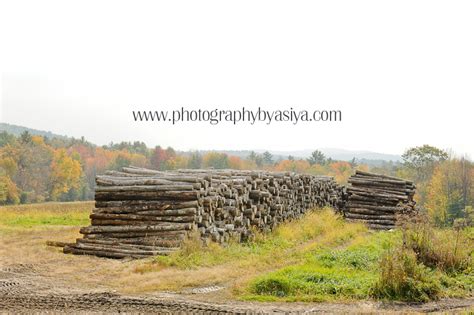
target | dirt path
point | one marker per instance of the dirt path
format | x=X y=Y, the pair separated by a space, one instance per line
x=23 y=290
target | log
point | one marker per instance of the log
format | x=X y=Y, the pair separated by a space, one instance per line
x=57 y=244
x=119 y=244
x=158 y=212
x=134 y=217
x=397 y=192
x=369 y=217
x=378 y=208
x=374 y=175
x=147 y=204
x=388 y=201
x=165 y=235
x=368 y=211
x=100 y=253
x=143 y=188
x=146 y=180
x=129 y=181
x=151 y=221
x=147 y=195
x=131 y=228
x=148 y=240
x=373 y=221
x=122 y=249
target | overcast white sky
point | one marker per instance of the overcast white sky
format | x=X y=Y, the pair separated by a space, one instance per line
x=402 y=72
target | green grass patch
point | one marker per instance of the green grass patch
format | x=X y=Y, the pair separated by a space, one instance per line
x=376 y=265
x=310 y=282
x=326 y=273
x=45 y=214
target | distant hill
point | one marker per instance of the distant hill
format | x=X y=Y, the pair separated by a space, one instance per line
x=341 y=154
x=18 y=130
x=366 y=157
x=346 y=155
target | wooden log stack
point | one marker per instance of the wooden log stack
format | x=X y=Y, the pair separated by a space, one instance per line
x=377 y=199
x=141 y=212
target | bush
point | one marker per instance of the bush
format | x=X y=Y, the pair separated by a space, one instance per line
x=402 y=277
x=448 y=250
x=413 y=270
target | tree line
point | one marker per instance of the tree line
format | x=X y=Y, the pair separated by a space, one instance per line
x=38 y=169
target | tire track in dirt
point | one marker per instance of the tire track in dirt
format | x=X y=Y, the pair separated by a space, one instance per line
x=22 y=290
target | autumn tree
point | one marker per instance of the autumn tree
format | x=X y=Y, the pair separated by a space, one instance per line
x=318 y=169
x=66 y=174
x=25 y=137
x=96 y=161
x=257 y=158
x=317 y=157
x=33 y=158
x=176 y=162
x=9 y=193
x=419 y=164
x=422 y=160
x=267 y=157
x=158 y=158
x=6 y=138
x=120 y=161
x=341 y=171
x=137 y=159
x=170 y=152
x=216 y=160
x=438 y=201
x=450 y=191
x=354 y=162
x=298 y=166
x=132 y=147
x=195 y=160
x=235 y=163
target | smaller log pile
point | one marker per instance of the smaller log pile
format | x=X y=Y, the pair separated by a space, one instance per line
x=377 y=199
x=140 y=213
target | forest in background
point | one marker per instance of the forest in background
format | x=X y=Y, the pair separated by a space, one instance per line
x=37 y=168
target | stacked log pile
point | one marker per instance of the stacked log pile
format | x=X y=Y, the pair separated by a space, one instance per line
x=377 y=199
x=141 y=212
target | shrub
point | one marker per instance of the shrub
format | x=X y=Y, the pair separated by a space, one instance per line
x=402 y=277
x=447 y=250
x=412 y=271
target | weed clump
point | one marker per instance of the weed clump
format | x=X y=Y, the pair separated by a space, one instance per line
x=402 y=277
x=426 y=261
x=447 y=250
x=277 y=286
